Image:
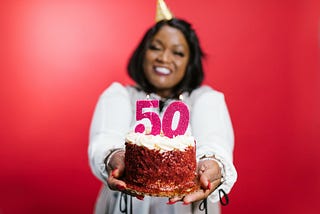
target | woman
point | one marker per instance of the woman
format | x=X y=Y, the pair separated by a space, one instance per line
x=165 y=65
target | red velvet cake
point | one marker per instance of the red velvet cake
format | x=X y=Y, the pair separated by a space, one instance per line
x=160 y=166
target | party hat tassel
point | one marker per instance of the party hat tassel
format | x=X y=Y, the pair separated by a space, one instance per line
x=163 y=12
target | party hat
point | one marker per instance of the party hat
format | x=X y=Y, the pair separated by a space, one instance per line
x=163 y=12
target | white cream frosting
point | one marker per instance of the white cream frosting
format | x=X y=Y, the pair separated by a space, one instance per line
x=162 y=143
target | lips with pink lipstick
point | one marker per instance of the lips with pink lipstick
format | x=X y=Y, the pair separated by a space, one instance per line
x=162 y=70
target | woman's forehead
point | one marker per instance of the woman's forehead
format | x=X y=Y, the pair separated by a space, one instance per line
x=172 y=35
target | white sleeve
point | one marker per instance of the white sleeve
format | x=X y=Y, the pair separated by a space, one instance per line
x=212 y=129
x=111 y=121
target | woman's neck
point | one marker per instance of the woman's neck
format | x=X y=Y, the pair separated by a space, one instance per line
x=165 y=94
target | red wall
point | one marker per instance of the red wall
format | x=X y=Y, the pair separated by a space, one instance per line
x=57 y=57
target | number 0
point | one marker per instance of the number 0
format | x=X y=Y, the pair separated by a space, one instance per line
x=182 y=126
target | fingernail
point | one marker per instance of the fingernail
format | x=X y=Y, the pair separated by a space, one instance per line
x=113 y=173
x=171 y=202
x=140 y=197
x=186 y=203
x=120 y=187
x=209 y=185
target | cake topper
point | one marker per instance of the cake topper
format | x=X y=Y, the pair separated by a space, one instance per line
x=163 y=12
x=145 y=110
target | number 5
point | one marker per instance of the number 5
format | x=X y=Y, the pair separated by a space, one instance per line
x=152 y=116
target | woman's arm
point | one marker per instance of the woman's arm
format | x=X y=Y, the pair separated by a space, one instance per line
x=212 y=129
x=110 y=123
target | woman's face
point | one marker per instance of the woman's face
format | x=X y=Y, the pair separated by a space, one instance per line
x=166 y=60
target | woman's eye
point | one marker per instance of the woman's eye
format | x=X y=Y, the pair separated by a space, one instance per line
x=154 y=47
x=178 y=53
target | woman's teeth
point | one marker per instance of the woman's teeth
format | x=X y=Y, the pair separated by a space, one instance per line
x=162 y=70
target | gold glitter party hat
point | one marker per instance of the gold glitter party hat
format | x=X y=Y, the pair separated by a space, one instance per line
x=163 y=12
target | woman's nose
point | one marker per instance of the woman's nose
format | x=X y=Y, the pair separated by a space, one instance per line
x=164 y=56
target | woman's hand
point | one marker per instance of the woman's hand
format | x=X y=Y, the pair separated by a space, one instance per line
x=209 y=177
x=115 y=168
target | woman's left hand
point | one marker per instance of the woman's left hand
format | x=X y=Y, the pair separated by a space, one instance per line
x=210 y=176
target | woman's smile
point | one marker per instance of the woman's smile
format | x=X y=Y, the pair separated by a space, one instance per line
x=162 y=70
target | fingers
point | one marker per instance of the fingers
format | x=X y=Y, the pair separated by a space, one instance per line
x=210 y=169
x=208 y=185
x=116 y=162
x=210 y=175
x=113 y=180
x=196 y=196
x=209 y=178
x=117 y=172
x=174 y=200
x=114 y=183
x=115 y=169
x=207 y=188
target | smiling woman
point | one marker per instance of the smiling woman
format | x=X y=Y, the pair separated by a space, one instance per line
x=167 y=57
x=166 y=67
x=170 y=57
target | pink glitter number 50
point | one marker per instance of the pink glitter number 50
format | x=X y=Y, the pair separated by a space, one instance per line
x=168 y=115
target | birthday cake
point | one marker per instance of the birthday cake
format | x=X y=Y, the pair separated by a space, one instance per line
x=159 y=166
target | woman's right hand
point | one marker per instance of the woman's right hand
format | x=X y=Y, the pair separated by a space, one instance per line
x=115 y=168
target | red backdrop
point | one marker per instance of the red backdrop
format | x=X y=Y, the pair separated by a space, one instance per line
x=56 y=57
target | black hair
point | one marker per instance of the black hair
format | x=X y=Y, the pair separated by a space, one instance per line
x=194 y=73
